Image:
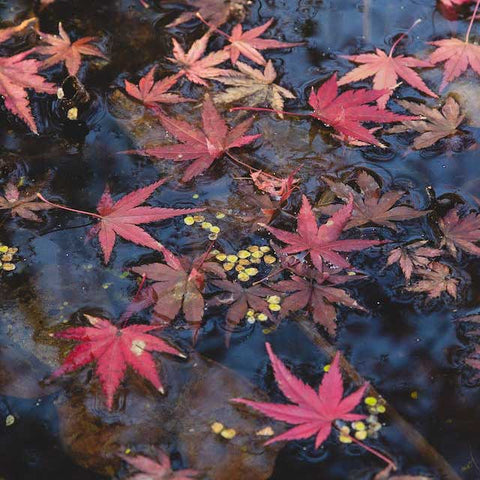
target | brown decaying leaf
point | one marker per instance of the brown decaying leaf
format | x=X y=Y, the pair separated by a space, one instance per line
x=254 y=86
x=319 y=293
x=459 y=232
x=23 y=206
x=194 y=65
x=473 y=359
x=179 y=285
x=61 y=49
x=437 y=124
x=412 y=257
x=370 y=206
x=436 y=280
x=217 y=12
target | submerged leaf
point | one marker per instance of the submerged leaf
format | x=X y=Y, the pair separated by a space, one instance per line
x=23 y=206
x=437 y=279
x=463 y=233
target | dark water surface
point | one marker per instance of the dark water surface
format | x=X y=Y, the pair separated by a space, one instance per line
x=402 y=345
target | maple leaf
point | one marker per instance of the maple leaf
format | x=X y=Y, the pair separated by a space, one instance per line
x=23 y=206
x=113 y=349
x=255 y=86
x=149 y=91
x=313 y=413
x=460 y=232
x=436 y=280
x=217 y=12
x=385 y=70
x=6 y=33
x=179 y=285
x=248 y=43
x=318 y=293
x=345 y=112
x=195 y=67
x=413 y=257
x=437 y=124
x=473 y=359
x=16 y=75
x=322 y=243
x=61 y=49
x=241 y=299
x=123 y=217
x=202 y=146
x=457 y=54
x=279 y=188
x=158 y=469
x=370 y=206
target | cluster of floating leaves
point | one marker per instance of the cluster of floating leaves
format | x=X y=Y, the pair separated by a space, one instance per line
x=7 y=254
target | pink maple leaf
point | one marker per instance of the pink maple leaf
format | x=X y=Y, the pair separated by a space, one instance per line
x=313 y=413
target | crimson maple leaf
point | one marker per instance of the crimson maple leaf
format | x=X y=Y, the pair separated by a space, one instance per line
x=61 y=49
x=437 y=278
x=413 y=257
x=248 y=44
x=345 y=112
x=313 y=413
x=385 y=70
x=319 y=293
x=196 y=68
x=202 y=146
x=149 y=91
x=460 y=232
x=370 y=206
x=23 y=206
x=322 y=243
x=158 y=469
x=457 y=54
x=16 y=75
x=179 y=285
x=113 y=349
x=123 y=217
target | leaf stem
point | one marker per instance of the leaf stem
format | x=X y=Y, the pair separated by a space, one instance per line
x=403 y=35
x=259 y=109
x=212 y=27
x=74 y=210
x=467 y=36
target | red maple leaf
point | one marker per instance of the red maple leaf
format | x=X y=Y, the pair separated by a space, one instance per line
x=347 y=111
x=385 y=70
x=279 y=188
x=319 y=293
x=61 y=49
x=413 y=257
x=322 y=243
x=158 y=469
x=123 y=217
x=460 y=232
x=113 y=349
x=16 y=75
x=149 y=91
x=457 y=54
x=248 y=44
x=179 y=285
x=202 y=146
x=313 y=413
x=196 y=68
x=448 y=8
